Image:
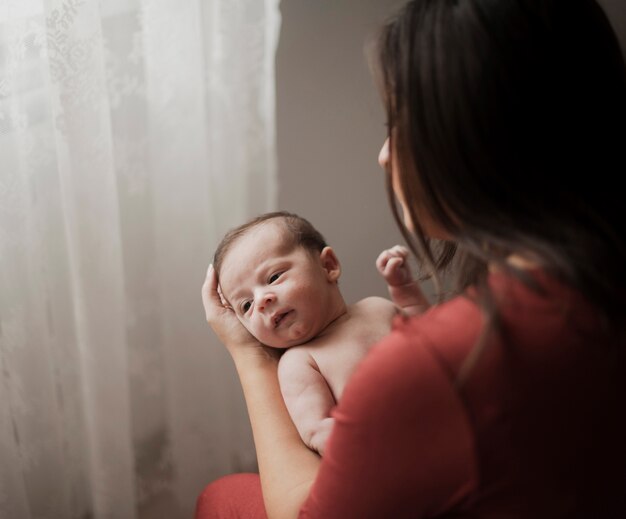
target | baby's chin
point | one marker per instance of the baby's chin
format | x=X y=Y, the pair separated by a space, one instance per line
x=282 y=343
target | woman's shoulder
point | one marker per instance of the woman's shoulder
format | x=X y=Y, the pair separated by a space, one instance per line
x=402 y=409
x=448 y=332
x=408 y=359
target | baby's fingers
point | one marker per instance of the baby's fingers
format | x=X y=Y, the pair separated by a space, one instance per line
x=382 y=260
x=392 y=268
x=400 y=251
x=397 y=251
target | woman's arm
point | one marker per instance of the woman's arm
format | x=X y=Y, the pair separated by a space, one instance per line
x=287 y=466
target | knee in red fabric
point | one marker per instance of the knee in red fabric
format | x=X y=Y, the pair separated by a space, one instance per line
x=236 y=496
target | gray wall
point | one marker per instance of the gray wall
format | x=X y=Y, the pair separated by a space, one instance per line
x=331 y=126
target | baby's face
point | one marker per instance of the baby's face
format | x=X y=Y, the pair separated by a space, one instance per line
x=279 y=293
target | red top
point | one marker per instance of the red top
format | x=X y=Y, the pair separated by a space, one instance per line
x=535 y=431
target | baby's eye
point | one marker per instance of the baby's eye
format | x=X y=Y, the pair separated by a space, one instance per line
x=246 y=306
x=274 y=277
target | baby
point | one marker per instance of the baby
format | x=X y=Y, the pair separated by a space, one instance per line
x=281 y=279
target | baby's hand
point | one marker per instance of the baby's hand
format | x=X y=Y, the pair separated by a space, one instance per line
x=393 y=266
x=405 y=292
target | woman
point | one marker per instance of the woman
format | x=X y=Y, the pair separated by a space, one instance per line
x=507 y=128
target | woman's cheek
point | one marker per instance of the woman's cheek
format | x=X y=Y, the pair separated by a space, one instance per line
x=407 y=219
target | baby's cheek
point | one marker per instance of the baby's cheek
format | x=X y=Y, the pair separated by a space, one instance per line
x=254 y=330
x=261 y=333
x=248 y=326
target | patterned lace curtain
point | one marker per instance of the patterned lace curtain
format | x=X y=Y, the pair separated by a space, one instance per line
x=133 y=133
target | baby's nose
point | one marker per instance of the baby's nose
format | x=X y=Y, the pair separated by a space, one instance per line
x=265 y=301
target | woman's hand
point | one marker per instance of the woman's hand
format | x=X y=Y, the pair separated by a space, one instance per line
x=223 y=320
x=286 y=465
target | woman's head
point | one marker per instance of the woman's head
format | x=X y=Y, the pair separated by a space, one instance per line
x=507 y=121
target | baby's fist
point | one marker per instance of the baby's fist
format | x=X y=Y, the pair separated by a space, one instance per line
x=393 y=265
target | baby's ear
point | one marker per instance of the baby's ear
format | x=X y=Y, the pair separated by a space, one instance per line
x=330 y=263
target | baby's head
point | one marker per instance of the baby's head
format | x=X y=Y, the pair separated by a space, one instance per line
x=280 y=278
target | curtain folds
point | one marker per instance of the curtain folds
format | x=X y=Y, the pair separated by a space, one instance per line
x=133 y=134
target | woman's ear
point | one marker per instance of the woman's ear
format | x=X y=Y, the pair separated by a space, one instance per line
x=330 y=264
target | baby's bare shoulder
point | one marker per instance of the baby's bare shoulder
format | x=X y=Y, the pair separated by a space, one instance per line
x=375 y=305
x=373 y=313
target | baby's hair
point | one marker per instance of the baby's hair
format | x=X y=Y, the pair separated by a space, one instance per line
x=300 y=233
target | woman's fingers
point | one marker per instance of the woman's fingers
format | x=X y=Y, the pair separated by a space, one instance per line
x=211 y=298
x=221 y=317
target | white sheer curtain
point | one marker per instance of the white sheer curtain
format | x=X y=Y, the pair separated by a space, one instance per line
x=133 y=133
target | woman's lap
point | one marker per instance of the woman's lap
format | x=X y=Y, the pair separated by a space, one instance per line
x=236 y=496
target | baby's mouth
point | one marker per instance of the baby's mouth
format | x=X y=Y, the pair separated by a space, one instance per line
x=278 y=317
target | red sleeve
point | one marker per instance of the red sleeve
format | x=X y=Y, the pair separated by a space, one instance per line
x=402 y=445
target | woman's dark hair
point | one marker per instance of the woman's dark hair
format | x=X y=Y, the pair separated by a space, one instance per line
x=300 y=233
x=508 y=122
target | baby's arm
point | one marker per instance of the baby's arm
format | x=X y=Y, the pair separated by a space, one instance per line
x=404 y=291
x=307 y=396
